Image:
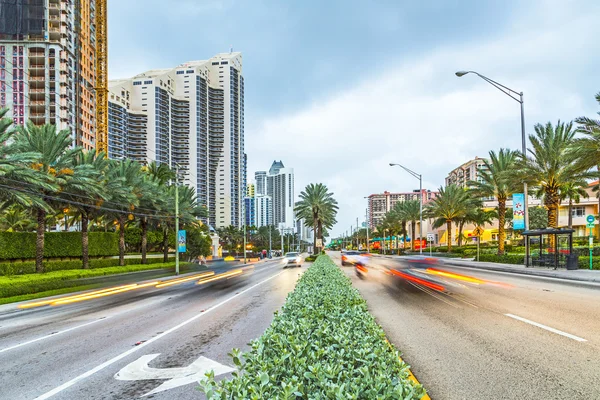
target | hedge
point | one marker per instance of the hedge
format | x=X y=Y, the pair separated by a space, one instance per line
x=310 y=258
x=36 y=283
x=21 y=245
x=323 y=344
x=28 y=267
x=505 y=259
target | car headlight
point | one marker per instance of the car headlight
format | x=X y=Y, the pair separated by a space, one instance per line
x=298 y=259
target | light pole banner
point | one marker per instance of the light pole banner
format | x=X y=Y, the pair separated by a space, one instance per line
x=518 y=211
x=181 y=241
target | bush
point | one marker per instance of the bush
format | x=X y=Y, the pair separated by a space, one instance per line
x=505 y=259
x=36 y=283
x=310 y=258
x=28 y=267
x=323 y=344
x=21 y=245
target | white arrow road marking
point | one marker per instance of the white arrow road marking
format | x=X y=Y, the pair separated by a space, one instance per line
x=139 y=370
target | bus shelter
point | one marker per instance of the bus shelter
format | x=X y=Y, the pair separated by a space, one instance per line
x=550 y=247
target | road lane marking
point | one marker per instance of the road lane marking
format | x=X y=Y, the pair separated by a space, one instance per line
x=181 y=376
x=113 y=360
x=51 y=335
x=550 y=329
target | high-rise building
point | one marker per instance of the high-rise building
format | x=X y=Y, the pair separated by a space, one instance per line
x=261 y=182
x=190 y=117
x=47 y=64
x=382 y=203
x=280 y=187
x=263 y=211
x=250 y=190
x=469 y=171
x=249 y=211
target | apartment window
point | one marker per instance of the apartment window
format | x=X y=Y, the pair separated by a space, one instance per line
x=215 y=63
x=578 y=211
x=180 y=72
x=136 y=83
x=224 y=63
x=148 y=82
x=189 y=71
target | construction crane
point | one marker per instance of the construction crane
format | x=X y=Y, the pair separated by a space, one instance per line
x=101 y=78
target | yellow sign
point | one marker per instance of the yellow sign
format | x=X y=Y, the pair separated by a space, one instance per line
x=478 y=231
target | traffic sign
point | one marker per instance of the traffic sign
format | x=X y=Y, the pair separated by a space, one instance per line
x=590 y=219
x=590 y=225
x=478 y=231
x=430 y=237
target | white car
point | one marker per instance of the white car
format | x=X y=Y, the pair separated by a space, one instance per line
x=292 y=260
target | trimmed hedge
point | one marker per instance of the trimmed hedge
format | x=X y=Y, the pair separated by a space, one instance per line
x=36 y=283
x=310 y=258
x=28 y=267
x=323 y=344
x=21 y=245
x=505 y=259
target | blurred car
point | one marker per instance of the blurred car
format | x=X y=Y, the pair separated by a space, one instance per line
x=292 y=259
x=349 y=257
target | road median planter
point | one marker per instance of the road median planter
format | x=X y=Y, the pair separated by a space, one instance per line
x=322 y=344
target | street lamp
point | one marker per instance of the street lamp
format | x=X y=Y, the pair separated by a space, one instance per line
x=420 y=178
x=367 y=223
x=512 y=94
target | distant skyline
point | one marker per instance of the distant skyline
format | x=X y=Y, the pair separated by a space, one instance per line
x=338 y=90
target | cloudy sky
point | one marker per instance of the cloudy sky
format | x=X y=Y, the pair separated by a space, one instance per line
x=339 y=89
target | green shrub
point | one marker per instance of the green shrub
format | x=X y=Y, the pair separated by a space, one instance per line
x=34 y=283
x=505 y=259
x=310 y=258
x=323 y=344
x=21 y=245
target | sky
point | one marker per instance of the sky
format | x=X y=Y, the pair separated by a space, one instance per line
x=339 y=89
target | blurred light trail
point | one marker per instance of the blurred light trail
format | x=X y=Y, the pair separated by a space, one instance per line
x=414 y=279
x=451 y=275
x=177 y=281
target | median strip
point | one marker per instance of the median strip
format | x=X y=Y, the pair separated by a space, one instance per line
x=322 y=344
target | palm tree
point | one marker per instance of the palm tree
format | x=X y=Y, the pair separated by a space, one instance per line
x=448 y=206
x=496 y=181
x=318 y=208
x=128 y=177
x=587 y=148
x=412 y=213
x=15 y=219
x=573 y=190
x=55 y=162
x=400 y=215
x=16 y=178
x=88 y=201
x=550 y=165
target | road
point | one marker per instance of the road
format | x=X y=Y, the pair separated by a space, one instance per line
x=463 y=345
x=74 y=351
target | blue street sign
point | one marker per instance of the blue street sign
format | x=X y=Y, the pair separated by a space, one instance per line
x=590 y=219
x=181 y=241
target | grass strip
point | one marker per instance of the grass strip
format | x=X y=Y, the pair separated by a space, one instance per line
x=19 y=285
x=323 y=344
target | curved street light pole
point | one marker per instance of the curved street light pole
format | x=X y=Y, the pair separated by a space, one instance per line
x=420 y=178
x=512 y=94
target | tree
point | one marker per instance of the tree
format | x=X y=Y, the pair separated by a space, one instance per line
x=538 y=218
x=573 y=190
x=550 y=165
x=15 y=219
x=401 y=216
x=447 y=207
x=198 y=241
x=318 y=208
x=586 y=149
x=411 y=212
x=496 y=181
x=55 y=163
x=127 y=175
x=18 y=182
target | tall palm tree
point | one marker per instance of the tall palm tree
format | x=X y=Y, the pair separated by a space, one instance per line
x=448 y=206
x=318 y=208
x=587 y=148
x=55 y=161
x=401 y=216
x=550 y=164
x=16 y=178
x=87 y=202
x=15 y=218
x=128 y=177
x=412 y=213
x=496 y=180
x=573 y=190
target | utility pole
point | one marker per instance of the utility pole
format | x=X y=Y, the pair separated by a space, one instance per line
x=270 y=243
x=357 y=230
x=177 y=219
x=367 y=223
x=244 y=222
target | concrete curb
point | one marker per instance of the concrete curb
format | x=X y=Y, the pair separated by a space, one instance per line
x=411 y=376
x=525 y=271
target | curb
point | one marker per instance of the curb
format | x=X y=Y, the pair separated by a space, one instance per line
x=549 y=275
x=411 y=376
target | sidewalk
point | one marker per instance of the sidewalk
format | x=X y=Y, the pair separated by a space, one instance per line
x=581 y=275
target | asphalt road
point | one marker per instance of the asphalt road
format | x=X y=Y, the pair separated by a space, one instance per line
x=74 y=351
x=463 y=345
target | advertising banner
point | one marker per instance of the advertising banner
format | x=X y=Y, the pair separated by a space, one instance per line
x=181 y=241
x=518 y=211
